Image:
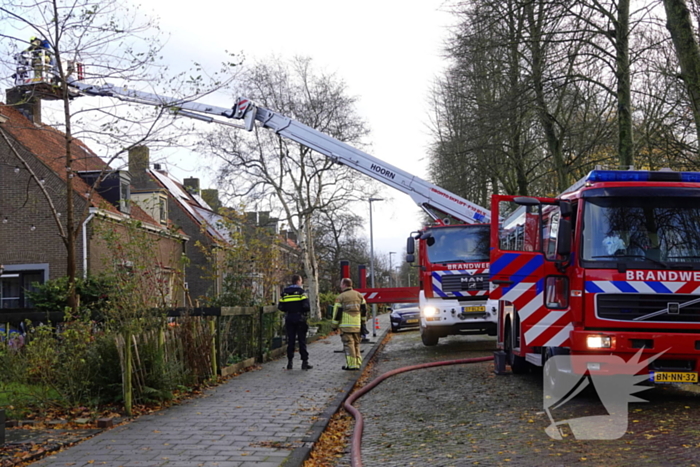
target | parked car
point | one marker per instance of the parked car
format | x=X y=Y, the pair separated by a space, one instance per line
x=404 y=316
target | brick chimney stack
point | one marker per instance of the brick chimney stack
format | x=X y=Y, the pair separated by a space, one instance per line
x=139 y=158
x=27 y=104
x=192 y=185
x=211 y=196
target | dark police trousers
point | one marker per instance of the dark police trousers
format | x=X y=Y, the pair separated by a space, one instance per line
x=297 y=331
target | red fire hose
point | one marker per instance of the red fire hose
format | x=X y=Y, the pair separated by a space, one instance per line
x=356 y=450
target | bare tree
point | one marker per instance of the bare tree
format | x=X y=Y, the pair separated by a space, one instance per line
x=92 y=41
x=679 y=24
x=520 y=108
x=485 y=116
x=286 y=176
x=337 y=239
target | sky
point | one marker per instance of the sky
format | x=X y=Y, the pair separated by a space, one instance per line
x=387 y=52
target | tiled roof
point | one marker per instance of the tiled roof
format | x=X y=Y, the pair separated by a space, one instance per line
x=195 y=207
x=49 y=145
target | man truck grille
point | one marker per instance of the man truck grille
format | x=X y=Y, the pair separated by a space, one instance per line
x=465 y=282
x=638 y=307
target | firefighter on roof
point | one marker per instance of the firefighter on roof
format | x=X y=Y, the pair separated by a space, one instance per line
x=40 y=55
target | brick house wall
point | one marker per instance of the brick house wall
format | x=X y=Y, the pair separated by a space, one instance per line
x=32 y=249
x=202 y=278
x=28 y=231
x=168 y=254
x=201 y=274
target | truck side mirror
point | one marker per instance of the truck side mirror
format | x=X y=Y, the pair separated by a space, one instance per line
x=526 y=201
x=410 y=258
x=564 y=237
x=565 y=208
x=410 y=247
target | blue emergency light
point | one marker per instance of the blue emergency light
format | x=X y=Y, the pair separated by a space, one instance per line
x=641 y=176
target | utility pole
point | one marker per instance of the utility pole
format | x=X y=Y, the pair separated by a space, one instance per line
x=392 y=278
x=371 y=264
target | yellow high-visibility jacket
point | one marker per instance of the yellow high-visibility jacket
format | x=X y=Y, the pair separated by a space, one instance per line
x=349 y=310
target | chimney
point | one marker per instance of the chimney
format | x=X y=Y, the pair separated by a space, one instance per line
x=138 y=164
x=27 y=104
x=211 y=196
x=192 y=185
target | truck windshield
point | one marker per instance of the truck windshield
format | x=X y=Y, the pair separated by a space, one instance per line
x=458 y=244
x=657 y=230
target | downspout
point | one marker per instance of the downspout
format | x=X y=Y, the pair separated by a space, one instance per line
x=85 y=248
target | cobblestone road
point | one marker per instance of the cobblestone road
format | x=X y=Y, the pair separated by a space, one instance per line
x=465 y=415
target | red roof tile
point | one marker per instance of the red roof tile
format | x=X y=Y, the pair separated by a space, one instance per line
x=49 y=145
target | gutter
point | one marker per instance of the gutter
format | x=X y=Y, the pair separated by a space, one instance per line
x=85 y=248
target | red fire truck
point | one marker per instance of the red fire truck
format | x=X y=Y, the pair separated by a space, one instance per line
x=610 y=267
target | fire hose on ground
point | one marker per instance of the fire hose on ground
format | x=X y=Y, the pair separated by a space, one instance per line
x=356 y=448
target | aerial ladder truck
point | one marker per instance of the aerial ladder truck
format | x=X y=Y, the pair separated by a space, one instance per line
x=453 y=258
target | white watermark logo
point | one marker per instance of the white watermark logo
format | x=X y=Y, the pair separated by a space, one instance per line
x=613 y=380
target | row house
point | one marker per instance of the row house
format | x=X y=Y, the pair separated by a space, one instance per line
x=33 y=164
x=180 y=218
x=211 y=228
x=182 y=204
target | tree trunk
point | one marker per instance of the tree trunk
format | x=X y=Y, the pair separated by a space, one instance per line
x=624 y=87
x=680 y=25
x=127 y=386
x=71 y=230
x=311 y=270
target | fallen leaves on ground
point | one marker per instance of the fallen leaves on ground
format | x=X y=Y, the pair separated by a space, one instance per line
x=333 y=441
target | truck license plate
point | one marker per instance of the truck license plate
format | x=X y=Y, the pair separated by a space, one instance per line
x=674 y=377
x=472 y=309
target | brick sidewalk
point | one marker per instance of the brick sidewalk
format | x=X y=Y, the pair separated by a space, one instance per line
x=263 y=418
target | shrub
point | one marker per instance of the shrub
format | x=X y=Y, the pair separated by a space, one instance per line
x=94 y=294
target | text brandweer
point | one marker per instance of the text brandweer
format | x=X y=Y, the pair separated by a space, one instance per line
x=663 y=276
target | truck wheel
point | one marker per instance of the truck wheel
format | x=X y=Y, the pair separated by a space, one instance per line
x=429 y=338
x=550 y=371
x=518 y=365
x=552 y=375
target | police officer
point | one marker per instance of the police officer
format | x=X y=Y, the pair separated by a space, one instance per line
x=295 y=305
x=349 y=312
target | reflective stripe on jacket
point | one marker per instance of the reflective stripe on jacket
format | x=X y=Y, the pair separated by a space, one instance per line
x=294 y=303
x=349 y=310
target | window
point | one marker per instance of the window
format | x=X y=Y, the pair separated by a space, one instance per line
x=15 y=284
x=658 y=228
x=458 y=243
x=521 y=230
x=125 y=196
x=163 y=210
x=557 y=292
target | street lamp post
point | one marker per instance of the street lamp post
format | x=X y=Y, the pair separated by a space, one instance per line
x=371 y=264
x=392 y=280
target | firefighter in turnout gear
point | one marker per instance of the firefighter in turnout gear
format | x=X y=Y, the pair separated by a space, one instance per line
x=295 y=305
x=349 y=313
